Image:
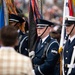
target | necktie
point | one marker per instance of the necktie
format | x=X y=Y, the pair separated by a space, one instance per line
x=68 y=42
x=39 y=43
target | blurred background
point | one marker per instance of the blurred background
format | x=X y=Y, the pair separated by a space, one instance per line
x=51 y=9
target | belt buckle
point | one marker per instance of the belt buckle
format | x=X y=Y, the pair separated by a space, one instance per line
x=66 y=65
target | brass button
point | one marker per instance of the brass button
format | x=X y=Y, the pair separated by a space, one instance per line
x=65 y=65
x=65 y=71
x=66 y=51
x=66 y=58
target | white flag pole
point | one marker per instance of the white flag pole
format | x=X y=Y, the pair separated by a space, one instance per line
x=65 y=13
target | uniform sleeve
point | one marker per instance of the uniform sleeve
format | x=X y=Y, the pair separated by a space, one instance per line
x=51 y=59
x=23 y=46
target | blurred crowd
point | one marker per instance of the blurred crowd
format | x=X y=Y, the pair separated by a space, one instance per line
x=51 y=10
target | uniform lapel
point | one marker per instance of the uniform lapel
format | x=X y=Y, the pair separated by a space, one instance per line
x=43 y=44
x=71 y=44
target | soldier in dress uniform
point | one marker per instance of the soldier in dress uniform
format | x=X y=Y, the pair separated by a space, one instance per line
x=69 y=68
x=20 y=23
x=46 y=54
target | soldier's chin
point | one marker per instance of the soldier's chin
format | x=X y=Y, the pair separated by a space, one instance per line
x=39 y=34
x=67 y=33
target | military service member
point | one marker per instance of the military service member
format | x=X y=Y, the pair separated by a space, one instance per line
x=46 y=53
x=69 y=68
x=19 y=23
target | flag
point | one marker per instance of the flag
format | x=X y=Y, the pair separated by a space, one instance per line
x=11 y=7
x=73 y=1
x=71 y=5
x=35 y=9
x=6 y=17
x=32 y=27
x=33 y=15
x=1 y=14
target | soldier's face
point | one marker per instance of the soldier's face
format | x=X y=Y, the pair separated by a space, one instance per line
x=41 y=30
x=14 y=24
x=69 y=28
